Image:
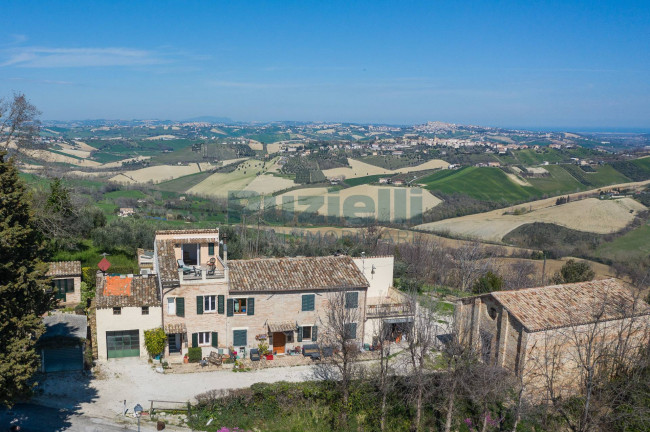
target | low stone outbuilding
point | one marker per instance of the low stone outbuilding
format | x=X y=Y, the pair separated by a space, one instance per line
x=521 y=330
x=66 y=281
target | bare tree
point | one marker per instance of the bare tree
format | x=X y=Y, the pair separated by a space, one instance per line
x=18 y=121
x=340 y=333
x=385 y=370
x=577 y=363
x=421 y=338
x=471 y=261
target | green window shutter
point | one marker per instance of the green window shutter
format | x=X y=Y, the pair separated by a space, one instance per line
x=195 y=340
x=215 y=339
x=230 y=308
x=299 y=334
x=250 y=305
x=239 y=338
x=70 y=287
x=351 y=300
x=314 y=333
x=180 y=306
x=199 y=305
x=308 y=302
x=210 y=248
x=220 y=300
x=351 y=331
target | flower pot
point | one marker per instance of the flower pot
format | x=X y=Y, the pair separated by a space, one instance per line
x=269 y=356
x=186 y=359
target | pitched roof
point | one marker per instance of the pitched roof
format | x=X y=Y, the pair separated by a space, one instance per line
x=136 y=291
x=190 y=231
x=64 y=268
x=295 y=274
x=566 y=305
x=167 y=265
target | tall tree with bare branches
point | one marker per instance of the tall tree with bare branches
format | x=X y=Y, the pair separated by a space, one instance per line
x=19 y=122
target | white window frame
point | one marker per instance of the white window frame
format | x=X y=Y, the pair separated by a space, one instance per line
x=206 y=303
x=204 y=338
x=171 y=305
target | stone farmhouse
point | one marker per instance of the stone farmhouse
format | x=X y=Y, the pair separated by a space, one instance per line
x=66 y=281
x=211 y=302
x=520 y=330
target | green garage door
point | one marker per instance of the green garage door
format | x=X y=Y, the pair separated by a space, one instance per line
x=123 y=343
x=62 y=359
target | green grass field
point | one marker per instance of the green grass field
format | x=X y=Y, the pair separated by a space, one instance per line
x=182 y=184
x=364 y=180
x=559 y=182
x=486 y=184
x=125 y=194
x=634 y=244
x=89 y=255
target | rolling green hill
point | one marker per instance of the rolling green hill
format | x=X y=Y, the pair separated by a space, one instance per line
x=486 y=184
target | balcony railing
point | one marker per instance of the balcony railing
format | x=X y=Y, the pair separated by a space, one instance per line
x=205 y=272
x=388 y=310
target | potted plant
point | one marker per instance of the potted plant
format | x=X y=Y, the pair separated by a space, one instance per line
x=186 y=359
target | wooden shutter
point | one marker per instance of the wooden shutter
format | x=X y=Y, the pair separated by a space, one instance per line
x=299 y=334
x=210 y=248
x=308 y=302
x=230 y=308
x=215 y=339
x=239 y=338
x=180 y=306
x=195 y=340
x=199 y=305
x=250 y=306
x=220 y=300
x=351 y=331
x=351 y=300
x=314 y=333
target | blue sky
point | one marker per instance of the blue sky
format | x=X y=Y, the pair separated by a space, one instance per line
x=525 y=63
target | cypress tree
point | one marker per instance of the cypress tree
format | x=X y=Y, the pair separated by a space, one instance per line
x=24 y=293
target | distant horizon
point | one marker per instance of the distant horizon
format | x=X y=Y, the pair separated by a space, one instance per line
x=576 y=129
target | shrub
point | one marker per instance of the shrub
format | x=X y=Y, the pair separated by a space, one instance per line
x=488 y=283
x=154 y=341
x=194 y=354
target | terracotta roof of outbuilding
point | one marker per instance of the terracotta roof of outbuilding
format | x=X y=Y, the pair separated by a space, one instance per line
x=566 y=305
x=135 y=291
x=295 y=274
x=64 y=268
x=189 y=231
x=167 y=265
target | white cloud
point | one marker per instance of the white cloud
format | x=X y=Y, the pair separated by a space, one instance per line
x=37 y=57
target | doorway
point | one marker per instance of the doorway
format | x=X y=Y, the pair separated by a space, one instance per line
x=279 y=341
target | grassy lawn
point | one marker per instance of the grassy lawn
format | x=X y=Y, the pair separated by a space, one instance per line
x=486 y=184
x=559 y=182
x=634 y=244
x=89 y=255
x=125 y=194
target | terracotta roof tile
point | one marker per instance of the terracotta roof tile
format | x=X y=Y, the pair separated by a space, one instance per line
x=64 y=268
x=295 y=274
x=136 y=291
x=558 y=306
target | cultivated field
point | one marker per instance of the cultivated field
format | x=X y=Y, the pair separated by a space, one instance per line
x=590 y=215
x=362 y=169
x=380 y=208
x=266 y=184
x=219 y=184
x=255 y=145
x=159 y=173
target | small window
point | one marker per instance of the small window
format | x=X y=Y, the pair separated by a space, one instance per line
x=492 y=312
x=289 y=337
x=204 y=338
x=117 y=311
x=145 y=310
x=209 y=303
x=306 y=333
x=171 y=306
x=240 y=306
x=210 y=248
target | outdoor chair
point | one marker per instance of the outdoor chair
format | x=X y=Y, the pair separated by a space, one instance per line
x=215 y=359
x=186 y=269
x=212 y=266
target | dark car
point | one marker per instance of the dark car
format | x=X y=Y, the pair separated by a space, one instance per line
x=255 y=354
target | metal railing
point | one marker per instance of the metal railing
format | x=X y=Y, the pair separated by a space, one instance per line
x=388 y=309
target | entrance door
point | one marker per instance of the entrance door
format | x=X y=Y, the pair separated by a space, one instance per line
x=123 y=343
x=174 y=341
x=279 y=340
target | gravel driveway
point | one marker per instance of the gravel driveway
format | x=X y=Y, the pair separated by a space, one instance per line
x=135 y=381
